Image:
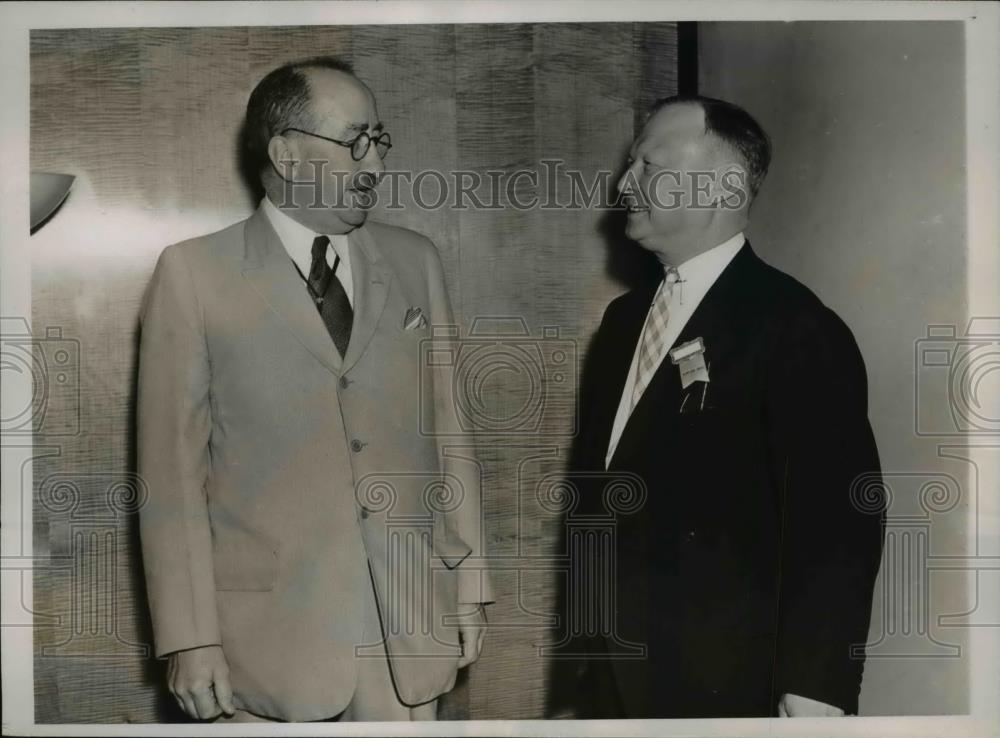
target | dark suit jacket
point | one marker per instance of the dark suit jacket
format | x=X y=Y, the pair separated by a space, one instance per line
x=748 y=571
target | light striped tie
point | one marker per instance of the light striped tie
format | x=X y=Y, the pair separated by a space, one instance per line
x=653 y=335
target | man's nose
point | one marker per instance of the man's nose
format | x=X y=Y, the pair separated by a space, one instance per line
x=626 y=181
x=366 y=179
x=373 y=163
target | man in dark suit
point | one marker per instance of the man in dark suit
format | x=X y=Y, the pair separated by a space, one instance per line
x=739 y=403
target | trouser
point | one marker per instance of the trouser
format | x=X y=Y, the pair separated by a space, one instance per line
x=375 y=695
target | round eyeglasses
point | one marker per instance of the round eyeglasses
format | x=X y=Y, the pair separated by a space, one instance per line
x=359 y=146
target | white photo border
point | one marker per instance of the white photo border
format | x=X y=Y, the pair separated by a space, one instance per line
x=982 y=23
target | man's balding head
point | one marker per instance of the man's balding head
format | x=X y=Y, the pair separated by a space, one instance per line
x=309 y=132
x=732 y=127
x=282 y=100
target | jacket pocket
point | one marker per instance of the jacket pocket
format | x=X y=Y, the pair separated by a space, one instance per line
x=244 y=562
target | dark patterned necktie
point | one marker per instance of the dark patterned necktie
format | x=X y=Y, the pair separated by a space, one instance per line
x=329 y=295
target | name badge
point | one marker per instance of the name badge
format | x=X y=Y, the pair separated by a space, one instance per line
x=690 y=360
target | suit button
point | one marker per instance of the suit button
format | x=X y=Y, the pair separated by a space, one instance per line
x=344 y=382
x=356 y=446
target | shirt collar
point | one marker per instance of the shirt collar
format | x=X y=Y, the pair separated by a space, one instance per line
x=297 y=238
x=702 y=270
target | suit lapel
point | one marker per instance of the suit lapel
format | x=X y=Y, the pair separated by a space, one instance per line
x=616 y=357
x=272 y=274
x=371 y=277
x=713 y=320
x=717 y=312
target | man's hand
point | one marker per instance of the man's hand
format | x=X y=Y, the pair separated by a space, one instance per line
x=199 y=680
x=471 y=631
x=791 y=705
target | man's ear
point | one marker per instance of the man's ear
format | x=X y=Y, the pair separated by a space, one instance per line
x=732 y=188
x=283 y=158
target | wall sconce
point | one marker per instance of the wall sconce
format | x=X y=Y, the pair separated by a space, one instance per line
x=48 y=191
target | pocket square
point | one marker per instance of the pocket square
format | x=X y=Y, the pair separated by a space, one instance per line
x=414 y=319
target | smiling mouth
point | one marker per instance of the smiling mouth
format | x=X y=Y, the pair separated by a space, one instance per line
x=632 y=205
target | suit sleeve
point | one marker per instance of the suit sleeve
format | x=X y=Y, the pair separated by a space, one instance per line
x=826 y=467
x=174 y=426
x=465 y=522
x=583 y=456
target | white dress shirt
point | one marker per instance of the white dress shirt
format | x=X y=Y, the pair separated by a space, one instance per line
x=298 y=241
x=697 y=275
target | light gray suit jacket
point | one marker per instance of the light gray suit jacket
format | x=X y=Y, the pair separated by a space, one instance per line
x=279 y=474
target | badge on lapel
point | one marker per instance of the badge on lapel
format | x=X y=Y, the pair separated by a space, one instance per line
x=414 y=319
x=690 y=360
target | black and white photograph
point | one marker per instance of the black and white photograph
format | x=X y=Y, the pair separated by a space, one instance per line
x=572 y=368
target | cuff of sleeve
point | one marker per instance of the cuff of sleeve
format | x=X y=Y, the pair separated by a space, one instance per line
x=166 y=654
x=824 y=689
x=186 y=636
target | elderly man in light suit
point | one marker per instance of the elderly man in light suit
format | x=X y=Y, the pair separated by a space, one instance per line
x=310 y=554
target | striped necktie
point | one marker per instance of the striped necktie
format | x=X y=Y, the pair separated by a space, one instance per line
x=653 y=335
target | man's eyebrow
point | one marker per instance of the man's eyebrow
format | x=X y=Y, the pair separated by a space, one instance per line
x=359 y=127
